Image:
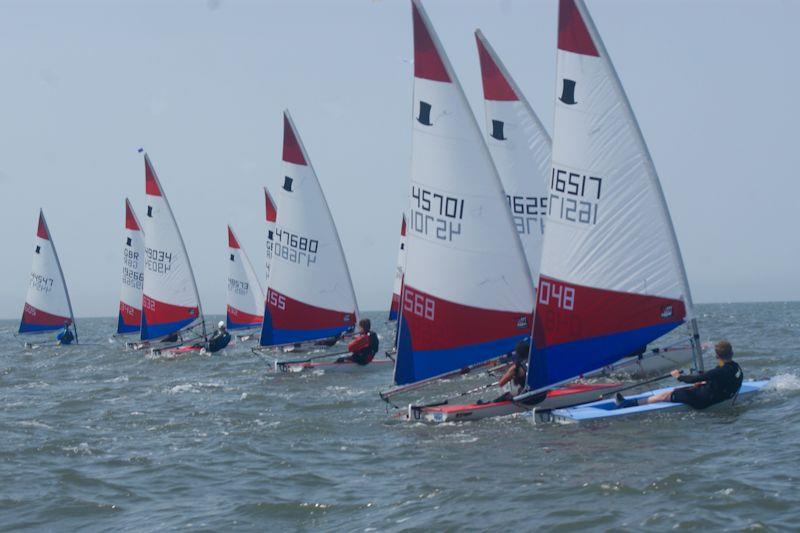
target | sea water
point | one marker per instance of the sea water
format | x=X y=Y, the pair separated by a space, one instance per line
x=95 y=437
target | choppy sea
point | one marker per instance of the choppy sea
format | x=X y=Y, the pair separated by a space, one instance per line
x=94 y=437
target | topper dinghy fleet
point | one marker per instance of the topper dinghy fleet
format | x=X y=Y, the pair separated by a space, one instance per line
x=545 y=263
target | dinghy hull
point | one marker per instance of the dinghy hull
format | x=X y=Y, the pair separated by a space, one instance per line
x=605 y=410
x=330 y=366
x=557 y=398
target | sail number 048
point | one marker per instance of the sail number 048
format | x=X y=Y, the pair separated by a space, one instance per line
x=560 y=295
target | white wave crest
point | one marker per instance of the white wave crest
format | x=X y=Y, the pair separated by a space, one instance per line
x=784 y=382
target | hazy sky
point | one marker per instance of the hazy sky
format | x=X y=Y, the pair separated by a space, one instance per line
x=201 y=85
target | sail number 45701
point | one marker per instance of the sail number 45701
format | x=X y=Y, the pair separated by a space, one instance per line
x=558 y=294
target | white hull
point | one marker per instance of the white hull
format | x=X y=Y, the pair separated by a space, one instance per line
x=606 y=409
x=330 y=366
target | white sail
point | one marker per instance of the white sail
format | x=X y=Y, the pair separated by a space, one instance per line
x=47 y=304
x=170 y=300
x=130 y=298
x=271 y=212
x=394 y=308
x=612 y=278
x=520 y=148
x=245 y=293
x=467 y=292
x=310 y=294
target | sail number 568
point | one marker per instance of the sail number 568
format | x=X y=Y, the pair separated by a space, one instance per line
x=419 y=304
x=561 y=295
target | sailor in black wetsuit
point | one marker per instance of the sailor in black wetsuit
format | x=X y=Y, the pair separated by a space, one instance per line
x=219 y=339
x=712 y=387
x=516 y=373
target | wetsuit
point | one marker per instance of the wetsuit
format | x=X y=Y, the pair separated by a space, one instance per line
x=721 y=383
x=365 y=356
x=520 y=371
x=218 y=341
x=65 y=337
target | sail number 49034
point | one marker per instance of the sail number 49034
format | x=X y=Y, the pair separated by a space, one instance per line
x=419 y=304
x=560 y=295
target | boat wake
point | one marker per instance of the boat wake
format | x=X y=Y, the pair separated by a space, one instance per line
x=784 y=382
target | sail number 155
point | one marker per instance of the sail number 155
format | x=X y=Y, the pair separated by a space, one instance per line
x=559 y=294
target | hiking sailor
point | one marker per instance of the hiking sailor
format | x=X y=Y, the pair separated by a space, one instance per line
x=65 y=336
x=516 y=373
x=219 y=339
x=712 y=387
x=364 y=347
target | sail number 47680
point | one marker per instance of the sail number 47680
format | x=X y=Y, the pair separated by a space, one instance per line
x=558 y=294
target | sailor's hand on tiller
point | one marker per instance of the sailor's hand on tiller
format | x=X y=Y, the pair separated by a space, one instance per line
x=675 y=373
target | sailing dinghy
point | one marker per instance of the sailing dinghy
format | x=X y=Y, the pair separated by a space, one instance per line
x=129 y=321
x=245 y=293
x=170 y=301
x=612 y=279
x=468 y=295
x=310 y=296
x=47 y=304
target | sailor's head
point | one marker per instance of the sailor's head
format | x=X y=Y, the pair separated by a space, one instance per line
x=221 y=325
x=364 y=325
x=724 y=351
x=521 y=351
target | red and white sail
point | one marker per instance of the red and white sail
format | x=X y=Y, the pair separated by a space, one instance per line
x=520 y=148
x=271 y=211
x=170 y=301
x=130 y=298
x=310 y=294
x=394 y=308
x=47 y=304
x=467 y=294
x=245 y=293
x=612 y=278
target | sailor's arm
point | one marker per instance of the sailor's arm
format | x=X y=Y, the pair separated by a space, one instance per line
x=696 y=378
x=508 y=376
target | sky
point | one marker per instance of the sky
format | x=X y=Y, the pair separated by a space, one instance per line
x=201 y=86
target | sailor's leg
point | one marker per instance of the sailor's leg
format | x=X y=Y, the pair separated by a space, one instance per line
x=660 y=397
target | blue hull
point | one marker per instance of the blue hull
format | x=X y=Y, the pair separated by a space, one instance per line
x=607 y=410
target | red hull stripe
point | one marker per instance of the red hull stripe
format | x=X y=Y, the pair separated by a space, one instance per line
x=41 y=230
x=272 y=211
x=232 y=242
x=567 y=312
x=573 y=36
x=130 y=219
x=495 y=85
x=427 y=62
x=291 y=147
x=239 y=319
x=157 y=314
x=130 y=315
x=403 y=226
x=34 y=319
x=455 y=325
x=288 y=313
